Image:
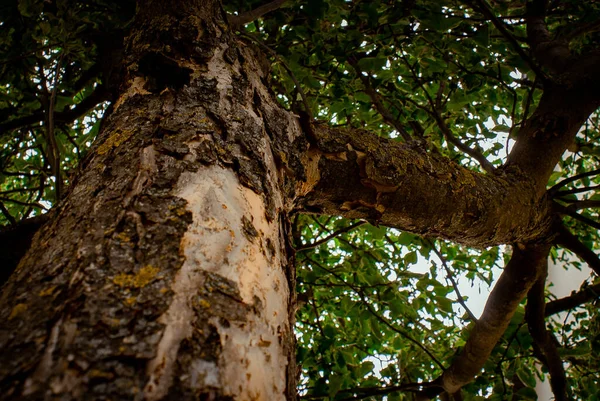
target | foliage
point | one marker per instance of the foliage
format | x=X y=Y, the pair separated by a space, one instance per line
x=379 y=311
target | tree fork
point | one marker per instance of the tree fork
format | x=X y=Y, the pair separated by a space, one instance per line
x=165 y=271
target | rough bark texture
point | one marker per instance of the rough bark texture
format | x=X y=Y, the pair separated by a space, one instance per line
x=409 y=188
x=165 y=273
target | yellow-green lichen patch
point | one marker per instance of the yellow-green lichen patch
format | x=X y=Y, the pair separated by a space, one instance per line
x=204 y=303
x=141 y=279
x=114 y=141
x=47 y=291
x=17 y=310
x=123 y=237
x=95 y=373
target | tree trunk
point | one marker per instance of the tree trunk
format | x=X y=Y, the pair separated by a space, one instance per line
x=165 y=273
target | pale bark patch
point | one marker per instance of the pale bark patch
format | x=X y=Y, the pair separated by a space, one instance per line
x=44 y=369
x=136 y=87
x=221 y=72
x=253 y=362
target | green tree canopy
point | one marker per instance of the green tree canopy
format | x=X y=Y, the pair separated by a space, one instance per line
x=381 y=314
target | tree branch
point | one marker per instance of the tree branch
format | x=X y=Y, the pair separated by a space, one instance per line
x=330 y=236
x=569 y=241
x=574 y=191
x=551 y=53
x=376 y=100
x=583 y=219
x=555 y=188
x=501 y=26
x=359 y=175
x=584 y=204
x=590 y=27
x=371 y=310
x=543 y=341
x=574 y=300
x=65 y=117
x=11 y=220
x=518 y=277
x=434 y=112
x=450 y=277
x=237 y=21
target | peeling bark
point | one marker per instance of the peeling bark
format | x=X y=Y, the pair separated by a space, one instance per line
x=165 y=272
x=400 y=186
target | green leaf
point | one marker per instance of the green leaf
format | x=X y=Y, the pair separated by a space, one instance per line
x=411 y=258
x=335 y=384
x=526 y=376
x=527 y=393
x=372 y=63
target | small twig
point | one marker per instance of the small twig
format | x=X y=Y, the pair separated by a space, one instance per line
x=330 y=236
x=317 y=314
x=287 y=68
x=237 y=21
x=584 y=204
x=19 y=190
x=525 y=109
x=501 y=26
x=554 y=189
x=475 y=154
x=18 y=202
x=383 y=320
x=375 y=99
x=7 y=214
x=574 y=300
x=54 y=157
x=450 y=277
x=366 y=393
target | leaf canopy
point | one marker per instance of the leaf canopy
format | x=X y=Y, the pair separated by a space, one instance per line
x=380 y=310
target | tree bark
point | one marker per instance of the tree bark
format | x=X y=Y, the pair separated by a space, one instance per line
x=165 y=273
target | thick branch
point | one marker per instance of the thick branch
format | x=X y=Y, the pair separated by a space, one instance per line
x=543 y=138
x=544 y=343
x=362 y=176
x=552 y=54
x=517 y=278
